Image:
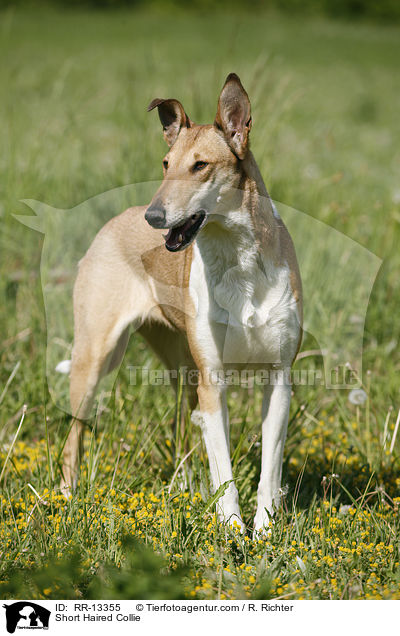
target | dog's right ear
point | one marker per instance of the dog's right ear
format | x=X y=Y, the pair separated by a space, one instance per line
x=172 y=117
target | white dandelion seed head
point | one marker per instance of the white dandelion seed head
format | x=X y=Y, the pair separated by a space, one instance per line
x=357 y=396
x=344 y=509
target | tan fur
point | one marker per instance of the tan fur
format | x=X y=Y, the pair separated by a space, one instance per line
x=127 y=275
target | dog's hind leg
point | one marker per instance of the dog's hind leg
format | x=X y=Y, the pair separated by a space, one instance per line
x=172 y=349
x=89 y=364
x=104 y=309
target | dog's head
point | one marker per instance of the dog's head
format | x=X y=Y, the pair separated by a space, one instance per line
x=202 y=166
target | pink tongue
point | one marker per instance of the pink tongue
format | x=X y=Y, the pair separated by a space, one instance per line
x=172 y=237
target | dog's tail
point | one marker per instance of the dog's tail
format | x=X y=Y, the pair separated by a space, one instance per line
x=64 y=367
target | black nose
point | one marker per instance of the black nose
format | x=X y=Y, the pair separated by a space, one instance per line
x=155 y=216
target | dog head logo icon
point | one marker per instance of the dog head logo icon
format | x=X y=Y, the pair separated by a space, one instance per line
x=26 y=615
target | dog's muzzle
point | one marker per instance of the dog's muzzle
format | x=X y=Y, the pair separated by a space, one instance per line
x=155 y=216
x=182 y=235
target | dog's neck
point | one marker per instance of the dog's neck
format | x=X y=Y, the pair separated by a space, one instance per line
x=243 y=226
x=239 y=247
x=257 y=203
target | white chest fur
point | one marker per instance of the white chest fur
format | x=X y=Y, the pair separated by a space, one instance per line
x=246 y=313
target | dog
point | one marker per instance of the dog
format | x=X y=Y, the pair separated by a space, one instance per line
x=221 y=290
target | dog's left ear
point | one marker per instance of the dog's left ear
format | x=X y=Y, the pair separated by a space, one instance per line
x=172 y=117
x=233 y=116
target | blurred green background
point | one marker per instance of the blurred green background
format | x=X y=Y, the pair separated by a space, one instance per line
x=75 y=82
x=381 y=10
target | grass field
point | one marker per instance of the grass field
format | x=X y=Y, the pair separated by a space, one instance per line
x=74 y=88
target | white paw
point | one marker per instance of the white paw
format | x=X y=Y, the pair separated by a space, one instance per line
x=236 y=523
x=262 y=533
x=263 y=523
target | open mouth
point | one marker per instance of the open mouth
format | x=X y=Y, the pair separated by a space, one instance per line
x=180 y=236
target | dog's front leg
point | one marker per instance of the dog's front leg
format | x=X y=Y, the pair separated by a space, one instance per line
x=275 y=415
x=213 y=419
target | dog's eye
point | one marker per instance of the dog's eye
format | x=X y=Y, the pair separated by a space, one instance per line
x=165 y=164
x=199 y=165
